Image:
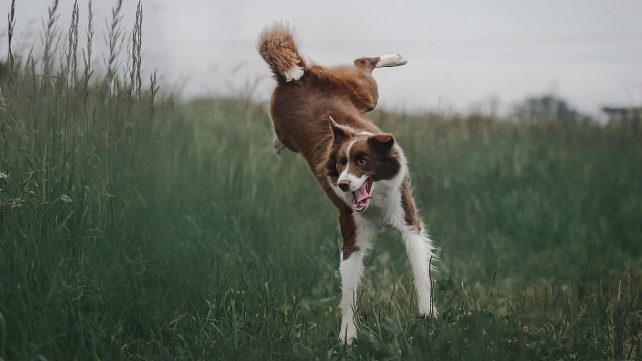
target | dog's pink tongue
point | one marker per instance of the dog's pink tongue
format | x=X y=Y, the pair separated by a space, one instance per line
x=362 y=193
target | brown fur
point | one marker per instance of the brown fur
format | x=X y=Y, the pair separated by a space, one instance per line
x=381 y=160
x=410 y=213
x=301 y=112
x=348 y=233
x=277 y=48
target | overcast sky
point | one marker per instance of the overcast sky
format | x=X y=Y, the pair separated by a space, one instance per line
x=461 y=54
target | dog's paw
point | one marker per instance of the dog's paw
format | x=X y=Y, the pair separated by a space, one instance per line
x=428 y=312
x=391 y=60
x=348 y=333
x=278 y=146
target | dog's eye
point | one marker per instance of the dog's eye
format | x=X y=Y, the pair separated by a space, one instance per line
x=362 y=161
x=342 y=163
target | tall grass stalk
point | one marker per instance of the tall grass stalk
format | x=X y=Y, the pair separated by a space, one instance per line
x=62 y=177
x=50 y=39
x=137 y=41
x=11 y=26
x=87 y=56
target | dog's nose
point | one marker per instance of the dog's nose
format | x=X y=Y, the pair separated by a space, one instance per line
x=344 y=185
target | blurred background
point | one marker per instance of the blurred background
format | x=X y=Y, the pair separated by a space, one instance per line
x=144 y=214
x=464 y=56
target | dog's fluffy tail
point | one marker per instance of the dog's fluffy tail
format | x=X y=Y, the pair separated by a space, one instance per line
x=277 y=48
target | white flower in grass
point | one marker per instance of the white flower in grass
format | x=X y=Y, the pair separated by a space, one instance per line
x=65 y=198
x=3 y=176
x=16 y=203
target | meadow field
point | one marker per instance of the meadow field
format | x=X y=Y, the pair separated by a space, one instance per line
x=133 y=226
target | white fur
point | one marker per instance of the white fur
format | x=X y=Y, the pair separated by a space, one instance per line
x=294 y=73
x=391 y=60
x=385 y=209
x=349 y=147
x=351 y=271
x=419 y=249
x=355 y=182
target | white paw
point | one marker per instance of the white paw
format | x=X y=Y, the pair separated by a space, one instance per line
x=348 y=333
x=428 y=311
x=278 y=146
x=391 y=60
x=294 y=73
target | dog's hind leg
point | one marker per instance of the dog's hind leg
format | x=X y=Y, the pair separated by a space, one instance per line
x=383 y=61
x=389 y=60
x=280 y=143
x=366 y=94
x=278 y=146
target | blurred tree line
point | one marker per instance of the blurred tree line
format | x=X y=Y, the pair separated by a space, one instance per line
x=549 y=108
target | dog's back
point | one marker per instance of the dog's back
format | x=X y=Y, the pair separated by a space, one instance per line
x=307 y=95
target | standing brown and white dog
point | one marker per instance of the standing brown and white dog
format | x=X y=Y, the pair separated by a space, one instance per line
x=320 y=113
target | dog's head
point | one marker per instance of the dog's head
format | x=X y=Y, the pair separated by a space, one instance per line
x=358 y=160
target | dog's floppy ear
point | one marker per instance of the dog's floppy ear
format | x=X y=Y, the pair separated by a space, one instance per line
x=382 y=142
x=338 y=132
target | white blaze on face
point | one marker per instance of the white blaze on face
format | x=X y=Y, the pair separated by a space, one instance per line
x=355 y=182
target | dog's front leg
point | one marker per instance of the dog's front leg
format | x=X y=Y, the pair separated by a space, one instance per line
x=356 y=241
x=351 y=272
x=420 y=252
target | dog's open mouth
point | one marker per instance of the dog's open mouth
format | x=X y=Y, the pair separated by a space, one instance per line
x=362 y=196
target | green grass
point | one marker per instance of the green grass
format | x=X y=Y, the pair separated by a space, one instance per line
x=136 y=228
